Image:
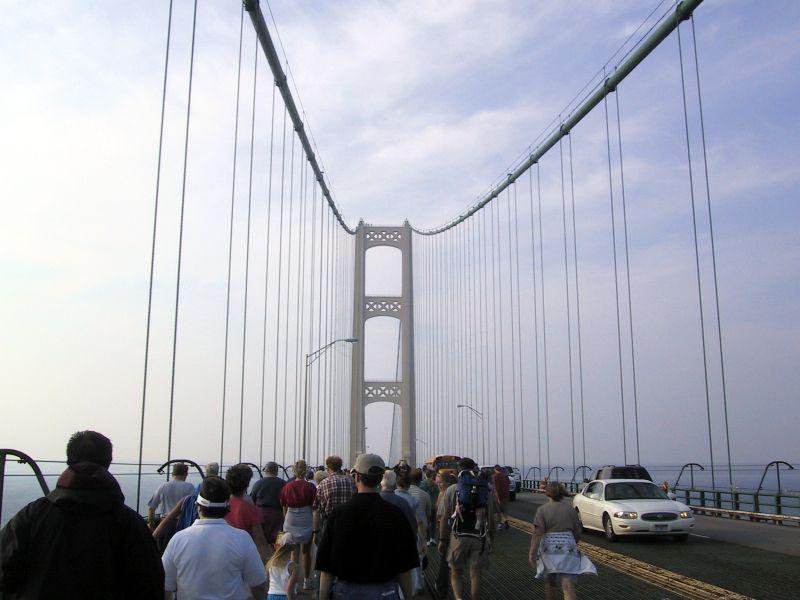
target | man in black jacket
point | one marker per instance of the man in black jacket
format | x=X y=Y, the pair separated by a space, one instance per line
x=81 y=541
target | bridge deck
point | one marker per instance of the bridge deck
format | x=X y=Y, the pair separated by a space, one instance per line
x=644 y=568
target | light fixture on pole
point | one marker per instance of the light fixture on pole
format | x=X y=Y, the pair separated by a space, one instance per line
x=311 y=358
x=480 y=415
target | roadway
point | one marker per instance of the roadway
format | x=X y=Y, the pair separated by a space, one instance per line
x=722 y=559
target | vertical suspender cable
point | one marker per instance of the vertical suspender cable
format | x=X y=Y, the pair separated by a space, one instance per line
x=484 y=329
x=153 y=259
x=322 y=219
x=313 y=264
x=230 y=246
x=278 y=298
x=628 y=274
x=492 y=208
x=502 y=338
x=544 y=321
x=436 y=329
x=513 y=324
x=266 y=281
x=469 y=325
x=180 y=236
x=247 y=251
x=462 y=376
x=535 y=326
x=697 y=260
x=326 y=395
x=300 y=320
x=577 y=300
x=569 y=312
x=713 y=256
x=519 y=338
x=467 y=333
x=288 y=298
x=616 y=284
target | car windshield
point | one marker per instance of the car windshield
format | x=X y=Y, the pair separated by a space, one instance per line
x=634 y=490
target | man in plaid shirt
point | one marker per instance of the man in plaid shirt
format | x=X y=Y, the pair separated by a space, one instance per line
x=337 y=488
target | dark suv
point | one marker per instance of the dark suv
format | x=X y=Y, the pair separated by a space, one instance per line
x=623 y=472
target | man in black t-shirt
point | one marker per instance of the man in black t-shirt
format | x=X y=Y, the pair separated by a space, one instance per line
x=367 y=545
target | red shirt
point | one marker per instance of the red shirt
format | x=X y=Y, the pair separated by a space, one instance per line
x=243 y=514
x=298 y=493
x=502 y=485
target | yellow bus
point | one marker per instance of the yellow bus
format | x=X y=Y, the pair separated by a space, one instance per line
x=443 y=463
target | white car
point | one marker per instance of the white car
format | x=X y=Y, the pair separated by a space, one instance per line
x=631 y=507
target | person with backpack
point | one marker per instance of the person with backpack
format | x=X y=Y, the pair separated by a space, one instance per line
x=467 y=514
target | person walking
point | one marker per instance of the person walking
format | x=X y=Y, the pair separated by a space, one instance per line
x=336 y=489
x=297 y=498
x=554 y=544
x=266 y=495
x=282 y=569
x=404 y=492
x=81 y=541
x=164 y=499
x=468 y=506
x=430 y=486
x=367 y=547
x=185 y=512
x=502 y=488
x=243 y=513
x=211 y=559
x=443 y=481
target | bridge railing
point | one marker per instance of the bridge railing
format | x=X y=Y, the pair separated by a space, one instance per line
x=755 y=505
x=759 y=503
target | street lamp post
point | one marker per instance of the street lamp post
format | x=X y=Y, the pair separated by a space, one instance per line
x=311 y=358
x=480 y=416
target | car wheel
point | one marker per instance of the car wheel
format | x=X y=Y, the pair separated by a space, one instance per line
x=608 y=526
x=578 y=514
x=681 y=537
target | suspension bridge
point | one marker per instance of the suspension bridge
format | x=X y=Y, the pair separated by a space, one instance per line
x=536 y=328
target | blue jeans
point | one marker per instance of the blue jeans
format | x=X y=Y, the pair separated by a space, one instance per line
x=344 y=590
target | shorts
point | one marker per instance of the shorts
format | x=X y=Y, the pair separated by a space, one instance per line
x=468 y=552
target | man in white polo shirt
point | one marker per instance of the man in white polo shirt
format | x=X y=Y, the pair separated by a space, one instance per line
x=212 y=560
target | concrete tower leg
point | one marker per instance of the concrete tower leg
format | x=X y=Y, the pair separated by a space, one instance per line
x=399 y=307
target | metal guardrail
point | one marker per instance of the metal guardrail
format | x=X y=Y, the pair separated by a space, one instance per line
x=735 y=501
x=747 y=514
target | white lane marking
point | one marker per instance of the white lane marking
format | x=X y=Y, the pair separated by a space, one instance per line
x=707 y=537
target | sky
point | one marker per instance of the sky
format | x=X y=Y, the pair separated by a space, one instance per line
x=415 y=109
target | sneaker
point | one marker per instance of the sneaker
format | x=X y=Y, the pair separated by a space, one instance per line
x=308 y=583
x=499 y=526
x=431 y=542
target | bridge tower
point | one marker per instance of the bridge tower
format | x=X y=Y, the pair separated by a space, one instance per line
x=400 y=307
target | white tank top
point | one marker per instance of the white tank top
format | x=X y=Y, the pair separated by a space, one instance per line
x=279 y=579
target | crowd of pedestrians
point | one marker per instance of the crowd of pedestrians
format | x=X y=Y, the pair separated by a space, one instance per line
x=324 y=533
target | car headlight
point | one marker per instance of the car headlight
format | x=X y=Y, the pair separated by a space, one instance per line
x=624 y=514
x=685 y=514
